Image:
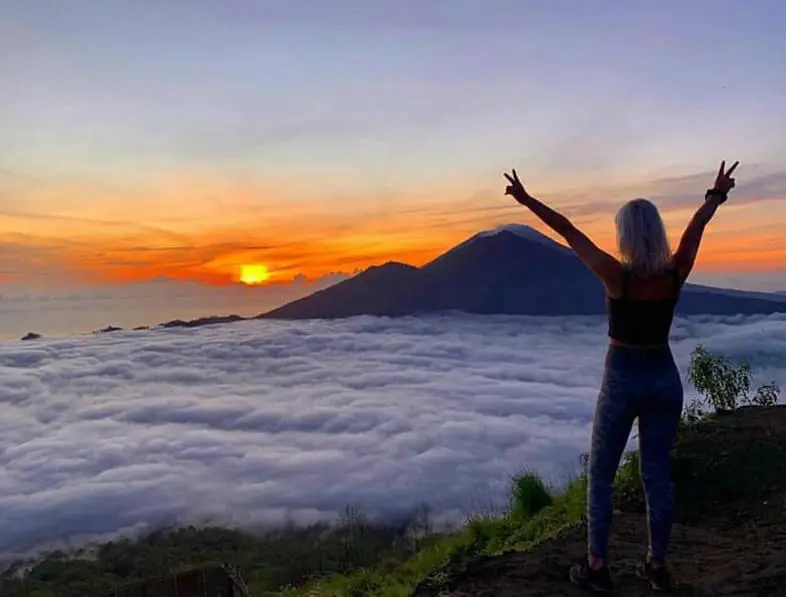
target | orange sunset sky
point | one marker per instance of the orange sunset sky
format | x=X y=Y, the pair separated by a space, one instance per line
x=192 y=228
x=300 y=144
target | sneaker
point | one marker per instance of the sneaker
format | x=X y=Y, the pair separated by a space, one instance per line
x=598 y=580
x=659 y=577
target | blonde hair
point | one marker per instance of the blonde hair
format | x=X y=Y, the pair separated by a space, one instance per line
x=641 y=238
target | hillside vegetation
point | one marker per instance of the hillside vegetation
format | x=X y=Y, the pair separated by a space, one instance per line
x=729 y=468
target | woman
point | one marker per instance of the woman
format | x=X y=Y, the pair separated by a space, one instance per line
x=640 y=379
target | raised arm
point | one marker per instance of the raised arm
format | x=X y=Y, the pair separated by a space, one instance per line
x=688 y=249
x=603 y=265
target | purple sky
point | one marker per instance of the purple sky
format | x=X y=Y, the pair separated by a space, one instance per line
x=309 y=85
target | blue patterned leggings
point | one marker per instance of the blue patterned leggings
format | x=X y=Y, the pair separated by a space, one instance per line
x=643 y=384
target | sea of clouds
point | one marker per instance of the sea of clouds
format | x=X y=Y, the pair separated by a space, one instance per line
x=266 y=422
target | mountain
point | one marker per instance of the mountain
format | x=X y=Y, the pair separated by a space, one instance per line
x=513 y=269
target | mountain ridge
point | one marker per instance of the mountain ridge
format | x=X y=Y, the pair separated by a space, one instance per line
x=511 y=269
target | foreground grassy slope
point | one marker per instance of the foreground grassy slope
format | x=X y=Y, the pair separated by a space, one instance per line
x=729 y=536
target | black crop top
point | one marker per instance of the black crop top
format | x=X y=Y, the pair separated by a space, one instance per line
x=633 y=321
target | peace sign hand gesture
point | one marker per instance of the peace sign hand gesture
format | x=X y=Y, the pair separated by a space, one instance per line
x=724 y=181
x=515 y=188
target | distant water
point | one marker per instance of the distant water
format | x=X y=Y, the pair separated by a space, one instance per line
x=59 y=315
x=274 y=421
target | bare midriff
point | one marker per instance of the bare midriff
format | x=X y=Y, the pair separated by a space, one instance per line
x=615 y=342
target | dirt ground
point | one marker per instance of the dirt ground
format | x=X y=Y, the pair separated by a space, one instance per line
x=730 y=551
x=745 y=560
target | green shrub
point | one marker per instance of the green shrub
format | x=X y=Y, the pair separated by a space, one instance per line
x=529 y=495
x=724 y=385
x=766 y=394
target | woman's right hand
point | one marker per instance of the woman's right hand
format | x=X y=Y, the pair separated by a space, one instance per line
x=515 y=188
x=724 y=181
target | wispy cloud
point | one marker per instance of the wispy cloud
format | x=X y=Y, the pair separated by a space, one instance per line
x=675 y=193
x=113 y=432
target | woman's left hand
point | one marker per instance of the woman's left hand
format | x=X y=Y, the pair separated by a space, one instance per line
x=515 y=188
x=724 y=182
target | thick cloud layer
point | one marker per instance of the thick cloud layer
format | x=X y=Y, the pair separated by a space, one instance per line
x=265 y=422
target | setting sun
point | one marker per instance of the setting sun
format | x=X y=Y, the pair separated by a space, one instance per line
x=254 y=273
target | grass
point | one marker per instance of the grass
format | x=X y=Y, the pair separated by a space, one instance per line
x=536 y=512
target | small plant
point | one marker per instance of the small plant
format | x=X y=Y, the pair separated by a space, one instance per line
x=693 y=413
x=419 y=527
x=766 y=394
x=628 y=471
x=724 y=385
x=529 y=495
